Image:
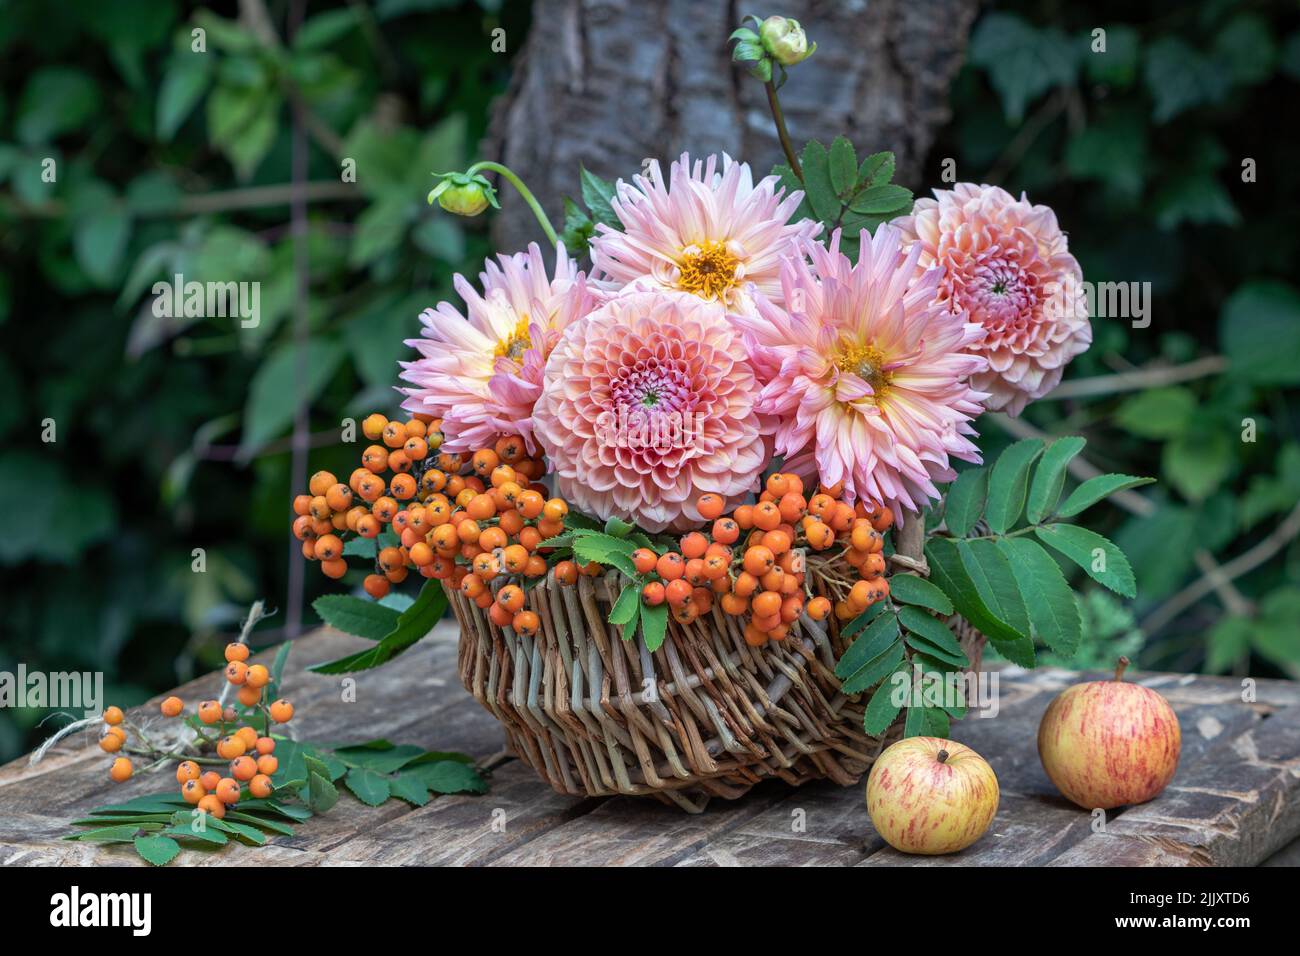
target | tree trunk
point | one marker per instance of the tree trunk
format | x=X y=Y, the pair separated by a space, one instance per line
x=607 y=83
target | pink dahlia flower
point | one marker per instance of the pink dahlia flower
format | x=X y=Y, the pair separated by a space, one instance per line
x=706 y=233
x=867 y=373
x=1008 y=264
x=648 y=403
x=482 y=373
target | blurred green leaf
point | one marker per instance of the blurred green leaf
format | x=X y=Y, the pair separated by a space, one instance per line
x=1180 y=77
x=55 y=101
x=187 y=78
x=1259 y=331
x=1197 y=462
x=1158 y=412
x=1023 y=61
x=282 y=382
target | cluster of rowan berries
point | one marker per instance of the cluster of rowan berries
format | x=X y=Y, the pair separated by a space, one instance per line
x=458 y=517
x=752 y=561
x=249 y=755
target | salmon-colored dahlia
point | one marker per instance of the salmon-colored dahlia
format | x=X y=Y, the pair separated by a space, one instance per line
x=702 y=232
x=867 y=372
x=648 y=403
x=482 y=373
x=1008 y=264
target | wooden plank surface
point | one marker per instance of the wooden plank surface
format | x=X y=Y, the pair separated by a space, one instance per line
x=1234 y=800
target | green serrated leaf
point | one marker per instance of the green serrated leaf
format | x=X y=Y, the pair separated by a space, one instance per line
x=275 y=826
x=862 y=620
x=881 y=200
x=1099 y=557
x=993 y=579
x=1008 y=483
x=118 y=833
x=155 y=849
x=409 y=787
x=412 y=626
x=843 y=165
x=817 y=182
x=876 y=170
x=947 y=570
x=885 y=704
x=1049 y=477
x=449 y=776
x=380 y=760
x=933 y=632
x=358 y=616
x=1095 y=489
x=654 y=625
x=367 y=786
x=875 y=670
x=626 y=609
x=598 y=194
x=965 y=501
x=321 y=794
x=911 y=589
x=874 y=640
x=617 y=527
x=1048 y=598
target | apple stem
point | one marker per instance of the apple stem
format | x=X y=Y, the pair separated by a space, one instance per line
x=1119 y=668
x=942 y=755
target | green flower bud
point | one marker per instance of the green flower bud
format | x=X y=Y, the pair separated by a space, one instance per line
x=463 y=195
x=785 y=40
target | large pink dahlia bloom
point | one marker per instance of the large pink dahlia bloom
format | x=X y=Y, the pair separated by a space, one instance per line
x=702 y=232
x=867 y=372
x=481 y=373
x=648 y=403
x=1008 y=264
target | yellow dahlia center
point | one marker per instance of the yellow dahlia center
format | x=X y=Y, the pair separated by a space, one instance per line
x=707 y=270
x=516 y=343
x=868 y=363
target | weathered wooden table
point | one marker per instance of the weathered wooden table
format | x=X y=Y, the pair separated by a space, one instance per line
x=1235 y=799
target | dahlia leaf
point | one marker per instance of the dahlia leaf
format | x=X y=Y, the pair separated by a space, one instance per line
x=1008 y=483
x=874 y=641
x=965 y=501
x=932 y=632
x=654 y=625
x=1052 y=608
x=1095 y=489
x=884 y=705
x=881 y=200
x=817 y=182
x=911 y=589
x=843 y=162
x=598 y=194
x=1099 y=557
x=1049 y=476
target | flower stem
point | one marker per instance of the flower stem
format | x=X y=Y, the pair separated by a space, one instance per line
x=506 y=173
x=782 y=133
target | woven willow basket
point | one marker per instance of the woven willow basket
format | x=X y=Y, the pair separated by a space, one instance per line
x=705 y=715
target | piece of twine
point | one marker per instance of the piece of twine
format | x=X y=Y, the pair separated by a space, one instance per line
x=255 y=613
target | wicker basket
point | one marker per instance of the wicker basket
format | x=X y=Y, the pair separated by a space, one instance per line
x=705 y=715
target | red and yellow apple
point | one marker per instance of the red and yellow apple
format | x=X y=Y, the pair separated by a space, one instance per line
x=1109 y=743
x=929 y=795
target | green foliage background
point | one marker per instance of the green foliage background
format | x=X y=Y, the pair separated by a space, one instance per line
x=173 y=437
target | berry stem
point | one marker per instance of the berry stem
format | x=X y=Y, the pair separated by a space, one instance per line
x=508 y=174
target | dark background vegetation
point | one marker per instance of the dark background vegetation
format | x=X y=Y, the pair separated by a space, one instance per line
x=172 y=437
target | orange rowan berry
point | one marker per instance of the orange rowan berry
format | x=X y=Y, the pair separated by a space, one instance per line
x=759 y=560
x=421 y=554
x=818 y=608
x=376 y=585
x=243 y=768
x=526 y=623
x=329 y=547
x=368 y=526
x=403 y=487
x=514 y=558
x=501 y=475
x=281 y=711
x=753 y=636
x=481 y=507
x=768 y=623
x=211 y=803
x=773 y=579
x=535 y=566
x=415 y=448
x=249 y=736
x=249 y=696
x=113 y=716
x=499 y=615
x=373 y=425
x=555 y=509
x=884 y=520
x=685 y=613
x=715 y=566
x=566 y=572
x=172 y=706
x=399 y=461
x=236 y=672
x=677 y=591
x=530 y=503
x=264 y=746
x=384 y=509
x=860 y=596
x=726 y=531
x=484 y=461
x=874 y=566
x=509 y=448
x=260 y=786
x=394 y=435
x=670 y=566
x=744 y=516
x=778 y=541
x=434 y=481
x=791 y=608
x=209 y=780
x=302 y=528
x=734 y=604
x=321 y=482
x=644 y=560
x=192 y=791
x=302 y=505
x=112 y=740
x=693 y=545
x=549 y=528
x=767 y=516
x=228 y=791
x=778 y=484
x=766 y=603
x=339 y=497
x=821 y=506
x=209 y=711
x=746 y=584
x=370 y=488
x=335 y=568
x=511 y=597
x=121 y=770
x=654 y=593
x=694 y=572
x=228 y=748
x=390 y=558
x=472 y=586
x=258 y=675
x=778 y=633
x=710 y=506
x=792 y=507
x=702 y=598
